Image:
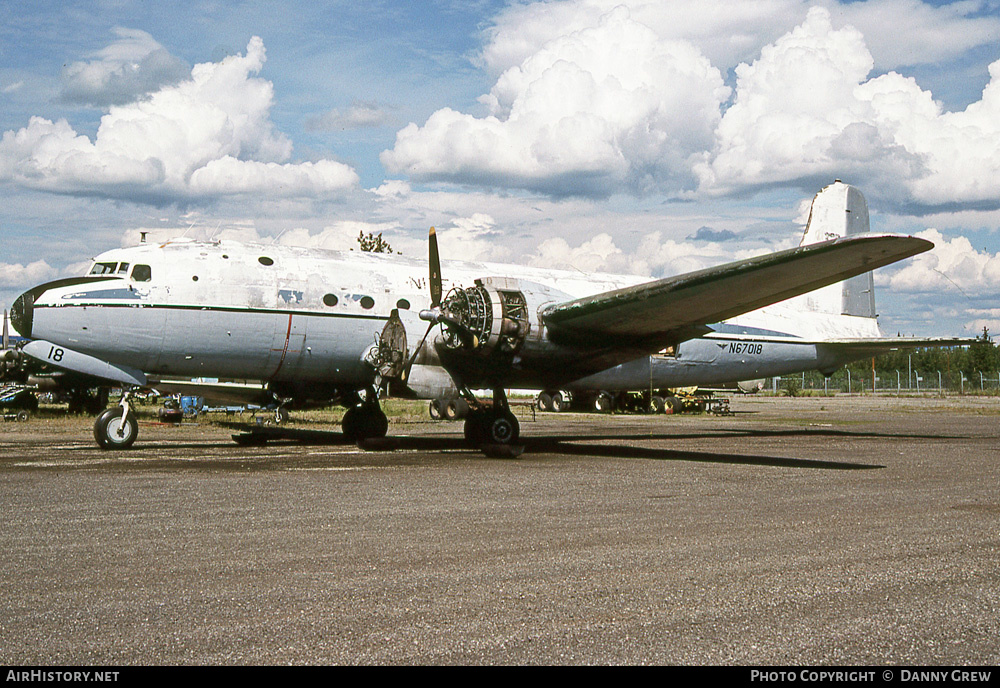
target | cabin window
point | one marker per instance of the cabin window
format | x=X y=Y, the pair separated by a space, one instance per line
x=194 y=278
x=103 y=268
x=264 y=260
x=367 y=302
x=403 y=304
x=142 y=273
x=330 y=299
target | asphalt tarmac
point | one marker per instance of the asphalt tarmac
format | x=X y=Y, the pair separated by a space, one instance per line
x=809 y=531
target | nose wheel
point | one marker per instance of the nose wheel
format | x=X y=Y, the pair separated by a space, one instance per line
x=117 y=427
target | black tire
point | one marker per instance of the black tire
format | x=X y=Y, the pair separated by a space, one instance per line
x=545 y=401
x=673 y=404
x=281 y=415
x=166 y=415
x=559 y=403
x=435 y=409
x=364 y=423
x=350 y=424
x=456 y=409
x=502 y=428
x=657 y=404
x=603 y=403
x=475 y=429
x=23 y=416
x=111 y=433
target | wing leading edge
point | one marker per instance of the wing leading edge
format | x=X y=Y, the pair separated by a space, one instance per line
x=678 y=308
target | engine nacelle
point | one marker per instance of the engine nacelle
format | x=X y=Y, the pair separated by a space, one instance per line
x=492 y=335
x=491 y=316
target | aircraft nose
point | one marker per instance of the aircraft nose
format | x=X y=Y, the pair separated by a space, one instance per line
x=21 y=313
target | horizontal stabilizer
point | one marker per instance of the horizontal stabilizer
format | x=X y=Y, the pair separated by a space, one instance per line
x=877 y=345
x=61 y=357
x=678 y=307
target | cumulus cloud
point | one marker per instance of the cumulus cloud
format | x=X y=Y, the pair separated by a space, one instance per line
x=475 y=237
x=131 y=67
x=595 y=98
x=911 y=32
x=953 y=265
x=653 y=256
x=206 y=136
x=606 y=108
x=726 y=33
x=339 y=236
x=18 y=275
x=805 y=109
x=901 y=32
x=798 y=113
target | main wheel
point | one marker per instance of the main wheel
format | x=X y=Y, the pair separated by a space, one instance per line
x=364 y=422
x=475 y=428
x=456 y=409
x=502 y=428
x=603 y=403
x=111 y=433
x=559 y=402
x=545 y=401
x=435 y=409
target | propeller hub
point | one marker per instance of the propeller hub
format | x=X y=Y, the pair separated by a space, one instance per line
x=431 y=315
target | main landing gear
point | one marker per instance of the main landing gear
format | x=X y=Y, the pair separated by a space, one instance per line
x=366 y=420
x=493 y=425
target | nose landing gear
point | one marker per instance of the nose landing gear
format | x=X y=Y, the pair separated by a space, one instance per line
x=117 y=428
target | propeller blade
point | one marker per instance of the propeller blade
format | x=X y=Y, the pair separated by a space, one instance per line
x=435 y=269
x=416 y=350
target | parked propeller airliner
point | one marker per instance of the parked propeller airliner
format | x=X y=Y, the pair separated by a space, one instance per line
x=340 y=326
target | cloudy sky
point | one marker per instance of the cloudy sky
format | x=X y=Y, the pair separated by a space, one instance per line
x=641 y=136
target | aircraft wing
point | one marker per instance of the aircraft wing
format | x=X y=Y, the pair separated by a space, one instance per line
x=678 y=308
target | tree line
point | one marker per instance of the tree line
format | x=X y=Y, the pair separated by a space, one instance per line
x=982 y=356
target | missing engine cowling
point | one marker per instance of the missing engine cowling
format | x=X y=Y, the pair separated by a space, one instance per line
x=485 y=318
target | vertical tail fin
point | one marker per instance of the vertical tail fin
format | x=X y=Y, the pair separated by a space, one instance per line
x=840 y=210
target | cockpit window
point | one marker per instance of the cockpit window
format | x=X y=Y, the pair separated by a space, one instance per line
x=122 y=267
x=103 y=268
x=142 y=273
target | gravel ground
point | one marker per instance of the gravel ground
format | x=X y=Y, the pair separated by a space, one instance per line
x=843 y=530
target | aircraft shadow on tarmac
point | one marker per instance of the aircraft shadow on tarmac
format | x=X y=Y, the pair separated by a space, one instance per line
x=624 y=445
